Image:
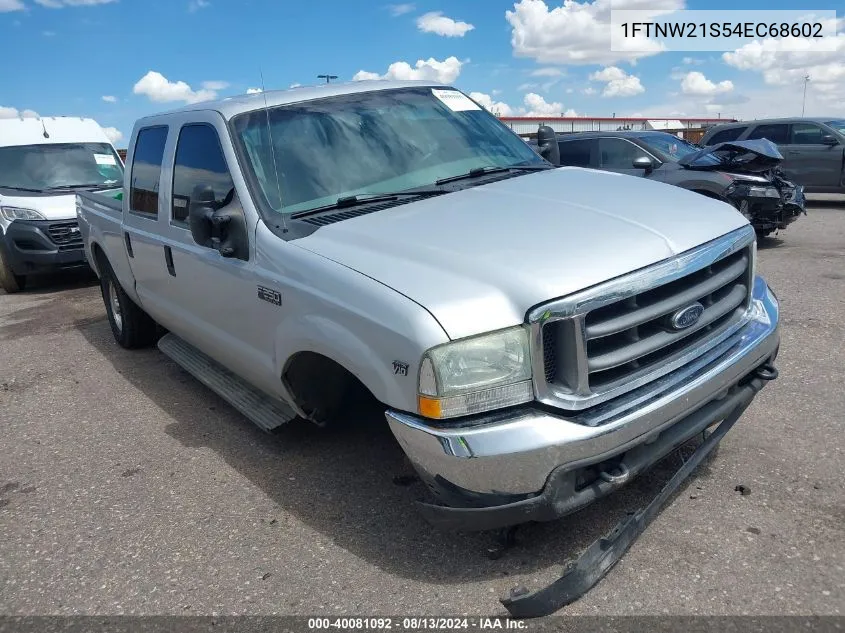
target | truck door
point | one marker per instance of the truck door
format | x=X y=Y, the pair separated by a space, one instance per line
x=214 y=296
x=142 y=220
x=812 y=163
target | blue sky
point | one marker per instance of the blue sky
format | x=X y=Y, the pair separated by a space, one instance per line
x=117 y=60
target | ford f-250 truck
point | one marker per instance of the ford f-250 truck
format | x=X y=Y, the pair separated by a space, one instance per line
x=537 y=335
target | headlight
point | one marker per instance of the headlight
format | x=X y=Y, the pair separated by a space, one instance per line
x=14 y=213
x=476 y=374
x=763 y=192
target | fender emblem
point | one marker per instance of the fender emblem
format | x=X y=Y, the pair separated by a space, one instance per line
x=400 y=368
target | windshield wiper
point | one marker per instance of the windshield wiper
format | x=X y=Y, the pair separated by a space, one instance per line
x=21 y=189
x=366 y=198
x=484 y=171
x=91 y=185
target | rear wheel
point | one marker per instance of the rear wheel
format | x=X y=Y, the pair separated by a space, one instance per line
x=132 y=327
x=9 y=280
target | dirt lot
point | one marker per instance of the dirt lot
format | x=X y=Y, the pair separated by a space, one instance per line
x=127 y=487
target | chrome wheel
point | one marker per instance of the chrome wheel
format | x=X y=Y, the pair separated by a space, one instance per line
x=114 y=301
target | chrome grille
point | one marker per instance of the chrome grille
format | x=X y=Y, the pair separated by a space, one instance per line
x=618 y=336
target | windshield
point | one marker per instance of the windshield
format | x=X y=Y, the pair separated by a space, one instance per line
x=59 y=165
x=671 y=148
x=373 y=142
x=838 y=125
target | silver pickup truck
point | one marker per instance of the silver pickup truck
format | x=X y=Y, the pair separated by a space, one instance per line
x=536 y=336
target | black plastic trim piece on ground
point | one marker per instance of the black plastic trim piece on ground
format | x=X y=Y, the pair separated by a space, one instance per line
x=581 y=575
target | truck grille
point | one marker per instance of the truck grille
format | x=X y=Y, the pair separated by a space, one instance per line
x=616 y=338
x=65 y=234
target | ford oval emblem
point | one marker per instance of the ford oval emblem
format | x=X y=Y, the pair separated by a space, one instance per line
x=687 y=317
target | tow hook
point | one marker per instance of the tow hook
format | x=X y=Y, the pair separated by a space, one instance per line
x=766 y=372
x=618 y=478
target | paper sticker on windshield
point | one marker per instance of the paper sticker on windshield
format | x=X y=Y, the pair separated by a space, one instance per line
x=105 y=159
x=454 y=100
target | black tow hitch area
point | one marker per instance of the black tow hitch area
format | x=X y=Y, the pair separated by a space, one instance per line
x=580 y=575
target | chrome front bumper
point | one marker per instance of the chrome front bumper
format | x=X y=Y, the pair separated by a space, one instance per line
x=508 y=457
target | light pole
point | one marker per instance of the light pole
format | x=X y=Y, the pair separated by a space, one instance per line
x=804 y=98
x=328 y=78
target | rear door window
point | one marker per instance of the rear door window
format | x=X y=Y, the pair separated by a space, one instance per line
x=576 y=153
x=146 y=170
x=777 y=133
x=199 y=169
x=725 y=136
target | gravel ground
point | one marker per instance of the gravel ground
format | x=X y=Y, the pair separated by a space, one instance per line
x=128 y=488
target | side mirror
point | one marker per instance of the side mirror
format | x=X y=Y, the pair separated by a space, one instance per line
x=829 y=139
x=214 y=224
x=547 y=144
x=643 y=162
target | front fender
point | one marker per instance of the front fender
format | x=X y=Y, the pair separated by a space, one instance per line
x=324 y=336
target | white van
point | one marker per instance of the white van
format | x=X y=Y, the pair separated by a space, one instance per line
x=43 y=163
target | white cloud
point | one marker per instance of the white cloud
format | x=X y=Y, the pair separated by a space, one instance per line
x=7 y=6
x=215 y=85
x=157 y=88
x=589 y=91
x=436 y=22
x=578 y=32
x=695 y=83
x=254 y=91
x=400 y=9
x=428 y=70
x=618 y=83
x=533 y=105
x=499 y=108
x=196 y=5
x=788 y=68
x=295 y=85
x=547 y=72
x=13 y=113
x=59 y=4
x=109 y=99
x=692 y=61
x=113 y=134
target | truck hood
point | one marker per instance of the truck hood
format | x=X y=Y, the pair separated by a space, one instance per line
x=753 y=156
x=60 y=207
x=479 y=258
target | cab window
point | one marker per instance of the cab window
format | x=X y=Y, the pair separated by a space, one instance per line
x=199 y=170
x=617 y=153
x=146 y=170
x=726 y=136
x=777 y=133
x=575 y=153
x=806 y=134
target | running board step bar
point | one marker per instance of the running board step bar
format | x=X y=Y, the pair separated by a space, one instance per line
x=264 y=411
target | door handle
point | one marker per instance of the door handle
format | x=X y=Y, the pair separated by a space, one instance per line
x=128 y=241
x=168 y=259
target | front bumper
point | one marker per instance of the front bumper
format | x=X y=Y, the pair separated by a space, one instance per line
x=534 y=464
x=42 y=246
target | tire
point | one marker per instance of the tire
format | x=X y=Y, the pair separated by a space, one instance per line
x=9 y=281
x=132 y=327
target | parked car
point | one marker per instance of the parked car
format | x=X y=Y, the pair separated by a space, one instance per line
x=813 y=149
x=43 y=163
x=743 y=174
x=536 y=336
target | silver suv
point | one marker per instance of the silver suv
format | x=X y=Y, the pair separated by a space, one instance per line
x=813 y=149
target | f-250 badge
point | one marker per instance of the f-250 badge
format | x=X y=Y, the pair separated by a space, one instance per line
x=400 y=368
x=270 y=296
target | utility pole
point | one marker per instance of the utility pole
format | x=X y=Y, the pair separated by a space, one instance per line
x=328 y=78
x=804 y=99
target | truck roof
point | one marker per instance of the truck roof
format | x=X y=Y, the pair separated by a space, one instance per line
x=231 y=106
x=61 y=129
